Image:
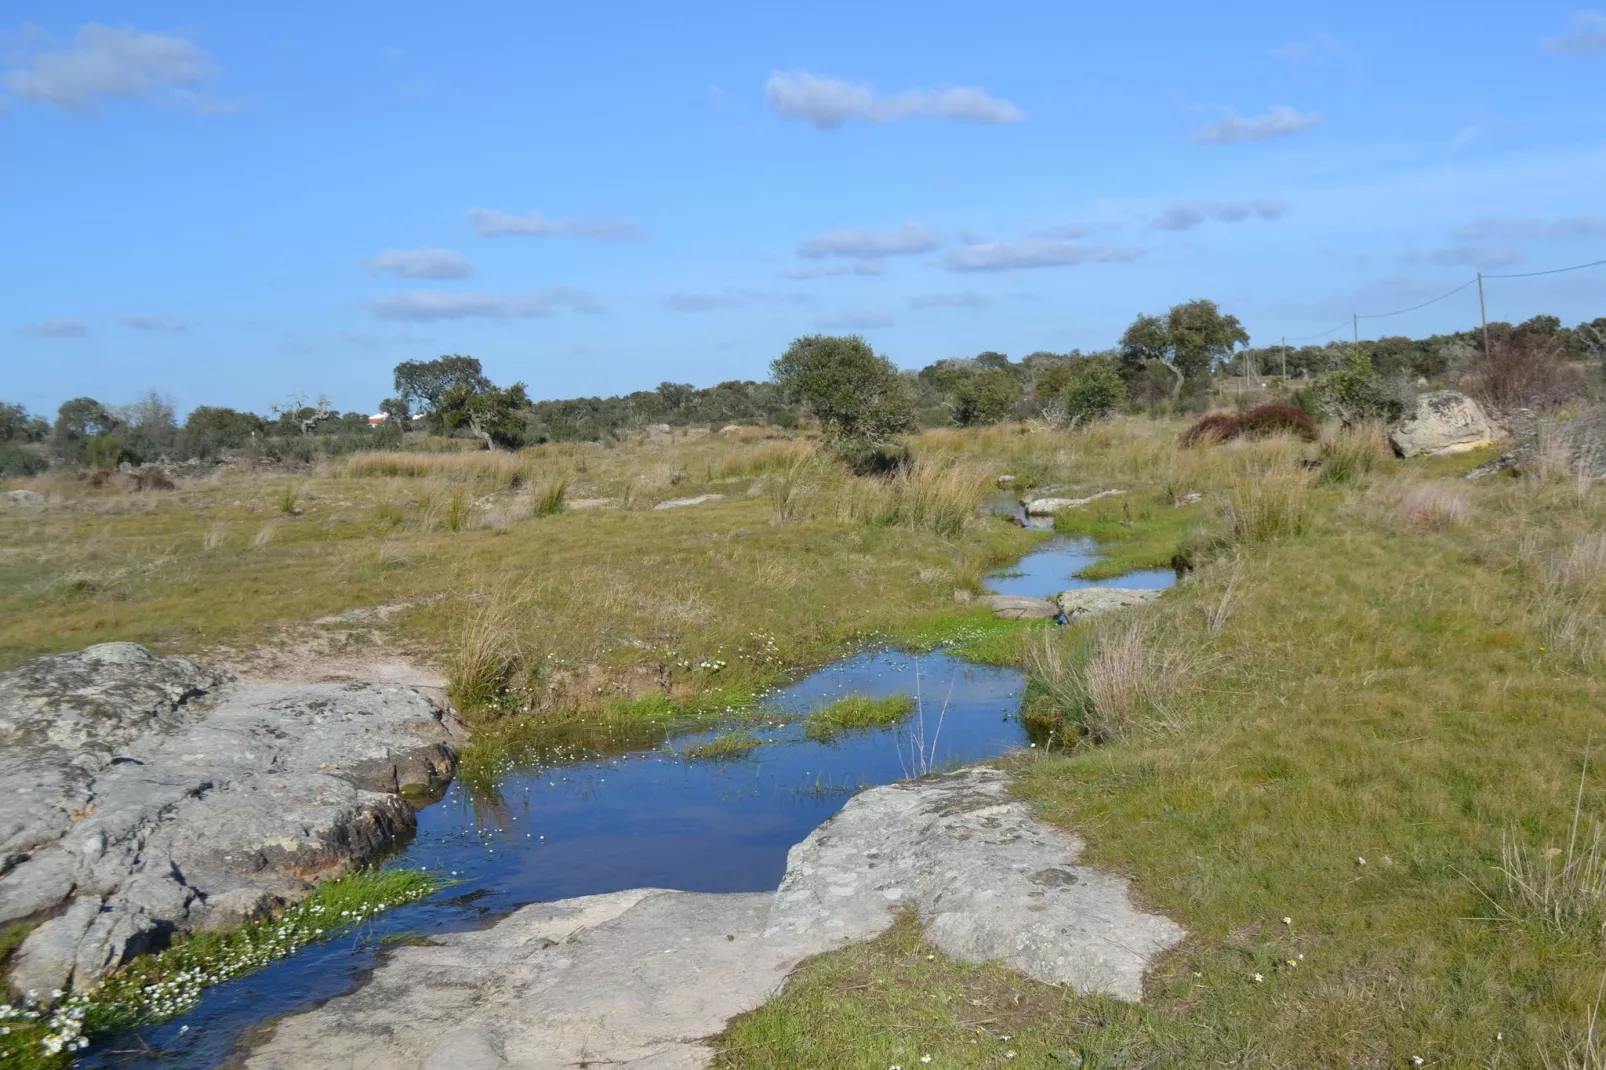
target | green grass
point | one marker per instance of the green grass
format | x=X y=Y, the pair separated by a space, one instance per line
x=857 y=713
x=1135 y=531
x=156 y=987
x=1374 y=691
x=726 y=747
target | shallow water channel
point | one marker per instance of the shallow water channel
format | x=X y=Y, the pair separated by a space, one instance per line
x=646 y=818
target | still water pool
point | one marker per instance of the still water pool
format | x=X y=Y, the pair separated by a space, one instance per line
x=588 y=823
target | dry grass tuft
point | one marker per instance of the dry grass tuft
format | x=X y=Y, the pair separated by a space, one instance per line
x=1272 y=506
x=1432 y=507
x=1356 y=452
x=487 y=653
x=1121 y=683
x=550 y=496
x=1563 y=888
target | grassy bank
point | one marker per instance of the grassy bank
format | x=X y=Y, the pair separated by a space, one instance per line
x=1348 y=755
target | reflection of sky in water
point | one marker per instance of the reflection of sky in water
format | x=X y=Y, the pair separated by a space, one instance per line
x=1049 y=570
x=645 y=819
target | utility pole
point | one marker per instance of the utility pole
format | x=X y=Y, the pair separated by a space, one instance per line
x=1356 y=320
x=1483 y=314
x=1285 y=359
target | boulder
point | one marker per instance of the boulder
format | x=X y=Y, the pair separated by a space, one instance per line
x=22 y=497
x=681 y=503
x=1050 y=506
x=1444 y=421
x=1019 y=607
x=636 y=978
x=1091 y=601
x=147 y=795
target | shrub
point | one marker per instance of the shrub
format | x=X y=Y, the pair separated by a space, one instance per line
x=1262 y=421
x=1094 y=390
x=1275 y=418
x=15 y=460
x=1211 y=428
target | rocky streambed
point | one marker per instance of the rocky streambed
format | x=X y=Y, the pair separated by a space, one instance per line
x=179 y=799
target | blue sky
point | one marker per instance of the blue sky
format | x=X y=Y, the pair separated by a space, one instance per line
x=233 y=203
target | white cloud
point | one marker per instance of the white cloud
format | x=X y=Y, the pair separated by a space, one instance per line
x=857 y=319
x=1585 y=34
x=962 y=299
x=153 y=323
x=826 y=103
x=1066 y=231
x=904 y=240
x=1280 y=121
x=441 y=305
x=693 y=301
x=1033 y=253
x=58 y=327
x=1578 y=226
x=1484 y=258
x=823 y=271
x=425 y=263
x=1188 y=214
x=105 y=61
x=493 y=224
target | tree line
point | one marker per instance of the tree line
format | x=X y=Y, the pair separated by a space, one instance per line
x=1162 y=362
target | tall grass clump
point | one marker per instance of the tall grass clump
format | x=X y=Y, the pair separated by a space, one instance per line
x=1271 y=506
x=1571 y=602
x=747 y=463
x=1562 y=888
x=289 y=496
x=791 y=490
x=487 y=655
x=456 y=510
x=550 y=496
x=1121 y=681
x=1355 y=452
x=936 y=495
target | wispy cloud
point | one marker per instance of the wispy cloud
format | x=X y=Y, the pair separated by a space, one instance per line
x=1189 y=214
x=57 y=327
x=857 y=319
x=714 y=301
x=962 y=299
x=1585 y=34
x=439 y=305
x=493 y=224
x=1484 y=258
x=425 y=263
x=1319 y=49
x=111 y=62
x=1280 y=121
x=1064 y=230
x=904 y=240
x=823 y=271
x=153 y=323
x=826 y=103
x=1578 y=226
x=1033 y=253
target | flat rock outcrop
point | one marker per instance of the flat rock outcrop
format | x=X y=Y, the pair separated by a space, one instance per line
x=638 y=978
x=1050 y=506
x=1091 y=601
x=1019 y=607
x=681 y=503
x=1444 y=421
x=146 y=795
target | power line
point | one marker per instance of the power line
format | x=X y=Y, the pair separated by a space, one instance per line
x=1552 y=271
x=1320 y=334
x=1425 y=304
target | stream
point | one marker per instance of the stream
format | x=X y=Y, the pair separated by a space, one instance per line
x=589 y=824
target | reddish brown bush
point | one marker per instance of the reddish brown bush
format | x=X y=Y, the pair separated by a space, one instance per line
x=1522 y=371
x=1258 y=422
x=1273 y=418
x=1212 y=427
